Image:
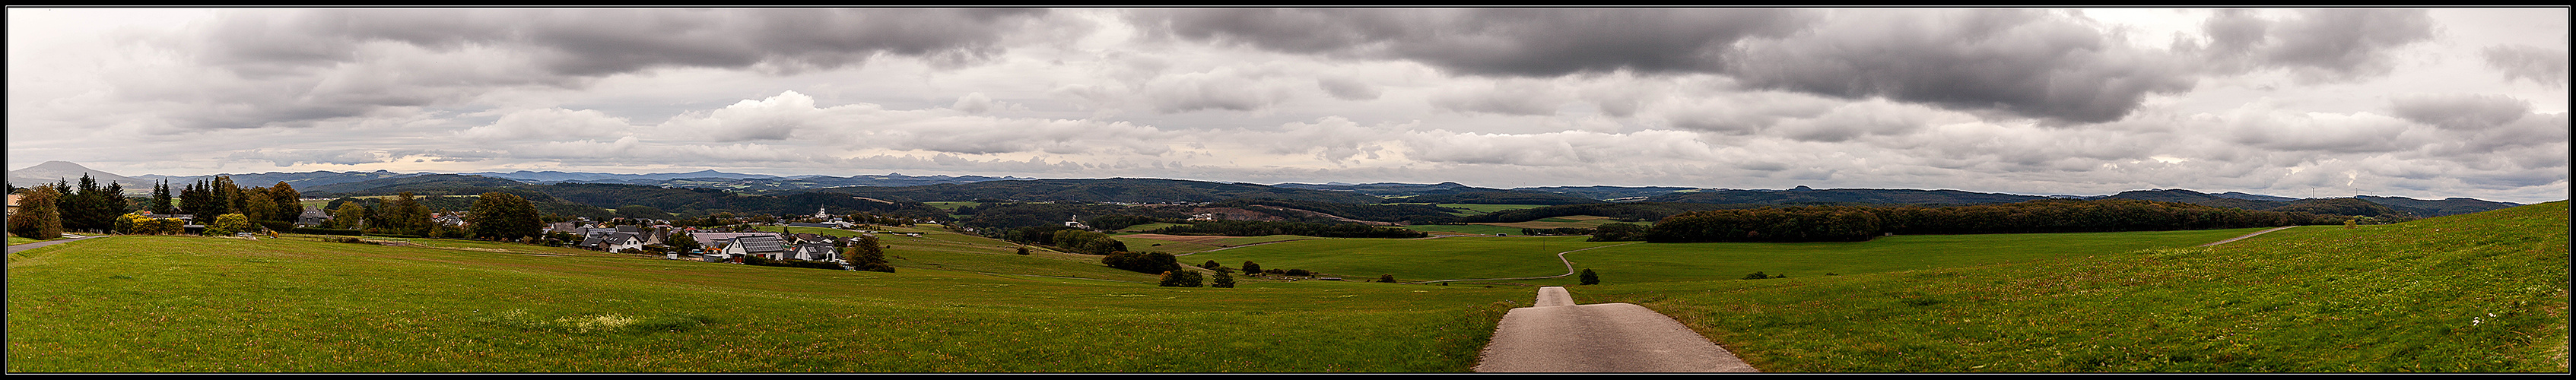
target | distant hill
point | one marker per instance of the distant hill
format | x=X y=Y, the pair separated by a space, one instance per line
x=1127 y=190
x=429 y=184
x=1500 y=198
x=1803 y=194
x=59 y=171
x=1391 y=189
x=300 y=181
x=1608 y=192
x=2445 y=207
x=2198 y=198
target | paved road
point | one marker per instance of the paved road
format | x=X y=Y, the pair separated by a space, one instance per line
x=1556 y=335
x=22 y=247
x=2233 y=239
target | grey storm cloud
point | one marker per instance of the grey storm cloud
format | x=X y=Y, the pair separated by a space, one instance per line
x=1507 y=42
x=2544 y=66
x=590 y=42
x=2026 y=62
x=295 y=67
x=2461 y=111
x=2317 y=44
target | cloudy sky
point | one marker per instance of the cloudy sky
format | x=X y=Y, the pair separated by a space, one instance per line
x=2425 y=103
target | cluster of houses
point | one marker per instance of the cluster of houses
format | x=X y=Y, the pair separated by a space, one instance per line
x=721 y=246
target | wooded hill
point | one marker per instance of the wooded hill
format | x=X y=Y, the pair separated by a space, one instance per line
x=1126 y=190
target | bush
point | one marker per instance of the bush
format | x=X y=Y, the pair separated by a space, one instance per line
x=1756 y=275
x=1144 y=262
x=1386 y=278
x=1181 y=279
x=1590 y=279
x=1298 y=273
x=1223 y=280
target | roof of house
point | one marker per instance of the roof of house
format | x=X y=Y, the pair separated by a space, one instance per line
x=760 y=244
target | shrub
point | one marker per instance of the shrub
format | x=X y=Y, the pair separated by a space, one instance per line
x=1181 y=279
x=1756 y=275
x=1298 y=273
x=1222 y=280
x=1142 y=262
x=1590 y=279
x=1386 y=278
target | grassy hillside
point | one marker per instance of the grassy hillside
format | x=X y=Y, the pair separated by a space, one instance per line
x=189 y=304
x=1471 y=257
x=2481 y=292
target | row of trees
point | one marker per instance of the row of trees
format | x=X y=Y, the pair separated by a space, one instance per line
x=1261 y=228
x=275 y=207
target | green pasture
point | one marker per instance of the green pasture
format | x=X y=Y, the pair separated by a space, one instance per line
x=196 y=304
x=1473 y=257
x=1472 y=229
x=2470 y=293
x=1474 y=209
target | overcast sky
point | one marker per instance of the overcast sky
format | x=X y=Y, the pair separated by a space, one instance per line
x=2424 y=103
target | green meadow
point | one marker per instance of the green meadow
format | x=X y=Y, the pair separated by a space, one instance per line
x=2468 y=293
x=189 y=304
x=2471 y=293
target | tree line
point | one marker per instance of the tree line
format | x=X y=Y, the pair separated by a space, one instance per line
x=1262 y=228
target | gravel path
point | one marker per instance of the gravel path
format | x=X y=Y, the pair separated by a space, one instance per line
x=1556 y=335
x=22 y=247
x=2233 y=239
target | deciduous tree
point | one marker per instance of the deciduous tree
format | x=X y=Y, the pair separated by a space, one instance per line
x=37 y=216
x=501 y=216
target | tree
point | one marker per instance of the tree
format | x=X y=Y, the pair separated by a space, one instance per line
x=1211 y=264
x=683 y=243
x=1222 y=280
x=501 y=216
x=1386 y=278
x=1024 y=250
x=1142 y=262
x=161 y=198
x=288 y=203
x=403 y=216
x=1590 y=279
x=868 y=254
x=228 y=224
x=37 y=216
x=1181 y=278
x=350 y=215
x=1250 y=268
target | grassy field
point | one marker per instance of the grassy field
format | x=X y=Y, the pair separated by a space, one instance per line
x=15 y=240
x=2470 y=293
x=1506 y=257
x=1470 y=229
x=1485 y=208
x=191 y=304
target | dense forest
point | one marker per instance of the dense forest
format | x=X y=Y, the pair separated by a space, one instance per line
x=1501 y=198
x=1260 y=228
x=1129 y=190
x=1631 y=212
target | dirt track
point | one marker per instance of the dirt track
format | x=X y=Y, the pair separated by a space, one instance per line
x=1556 y=335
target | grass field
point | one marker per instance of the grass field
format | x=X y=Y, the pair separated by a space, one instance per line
x=1485 y=208
x=1507 y=257
x=2471 y=293
x=190 y=304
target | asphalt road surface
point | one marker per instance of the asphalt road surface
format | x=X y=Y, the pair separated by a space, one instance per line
x=22 y=247
x=1556 y=335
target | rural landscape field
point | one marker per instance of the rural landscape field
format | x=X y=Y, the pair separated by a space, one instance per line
x=777 y=190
